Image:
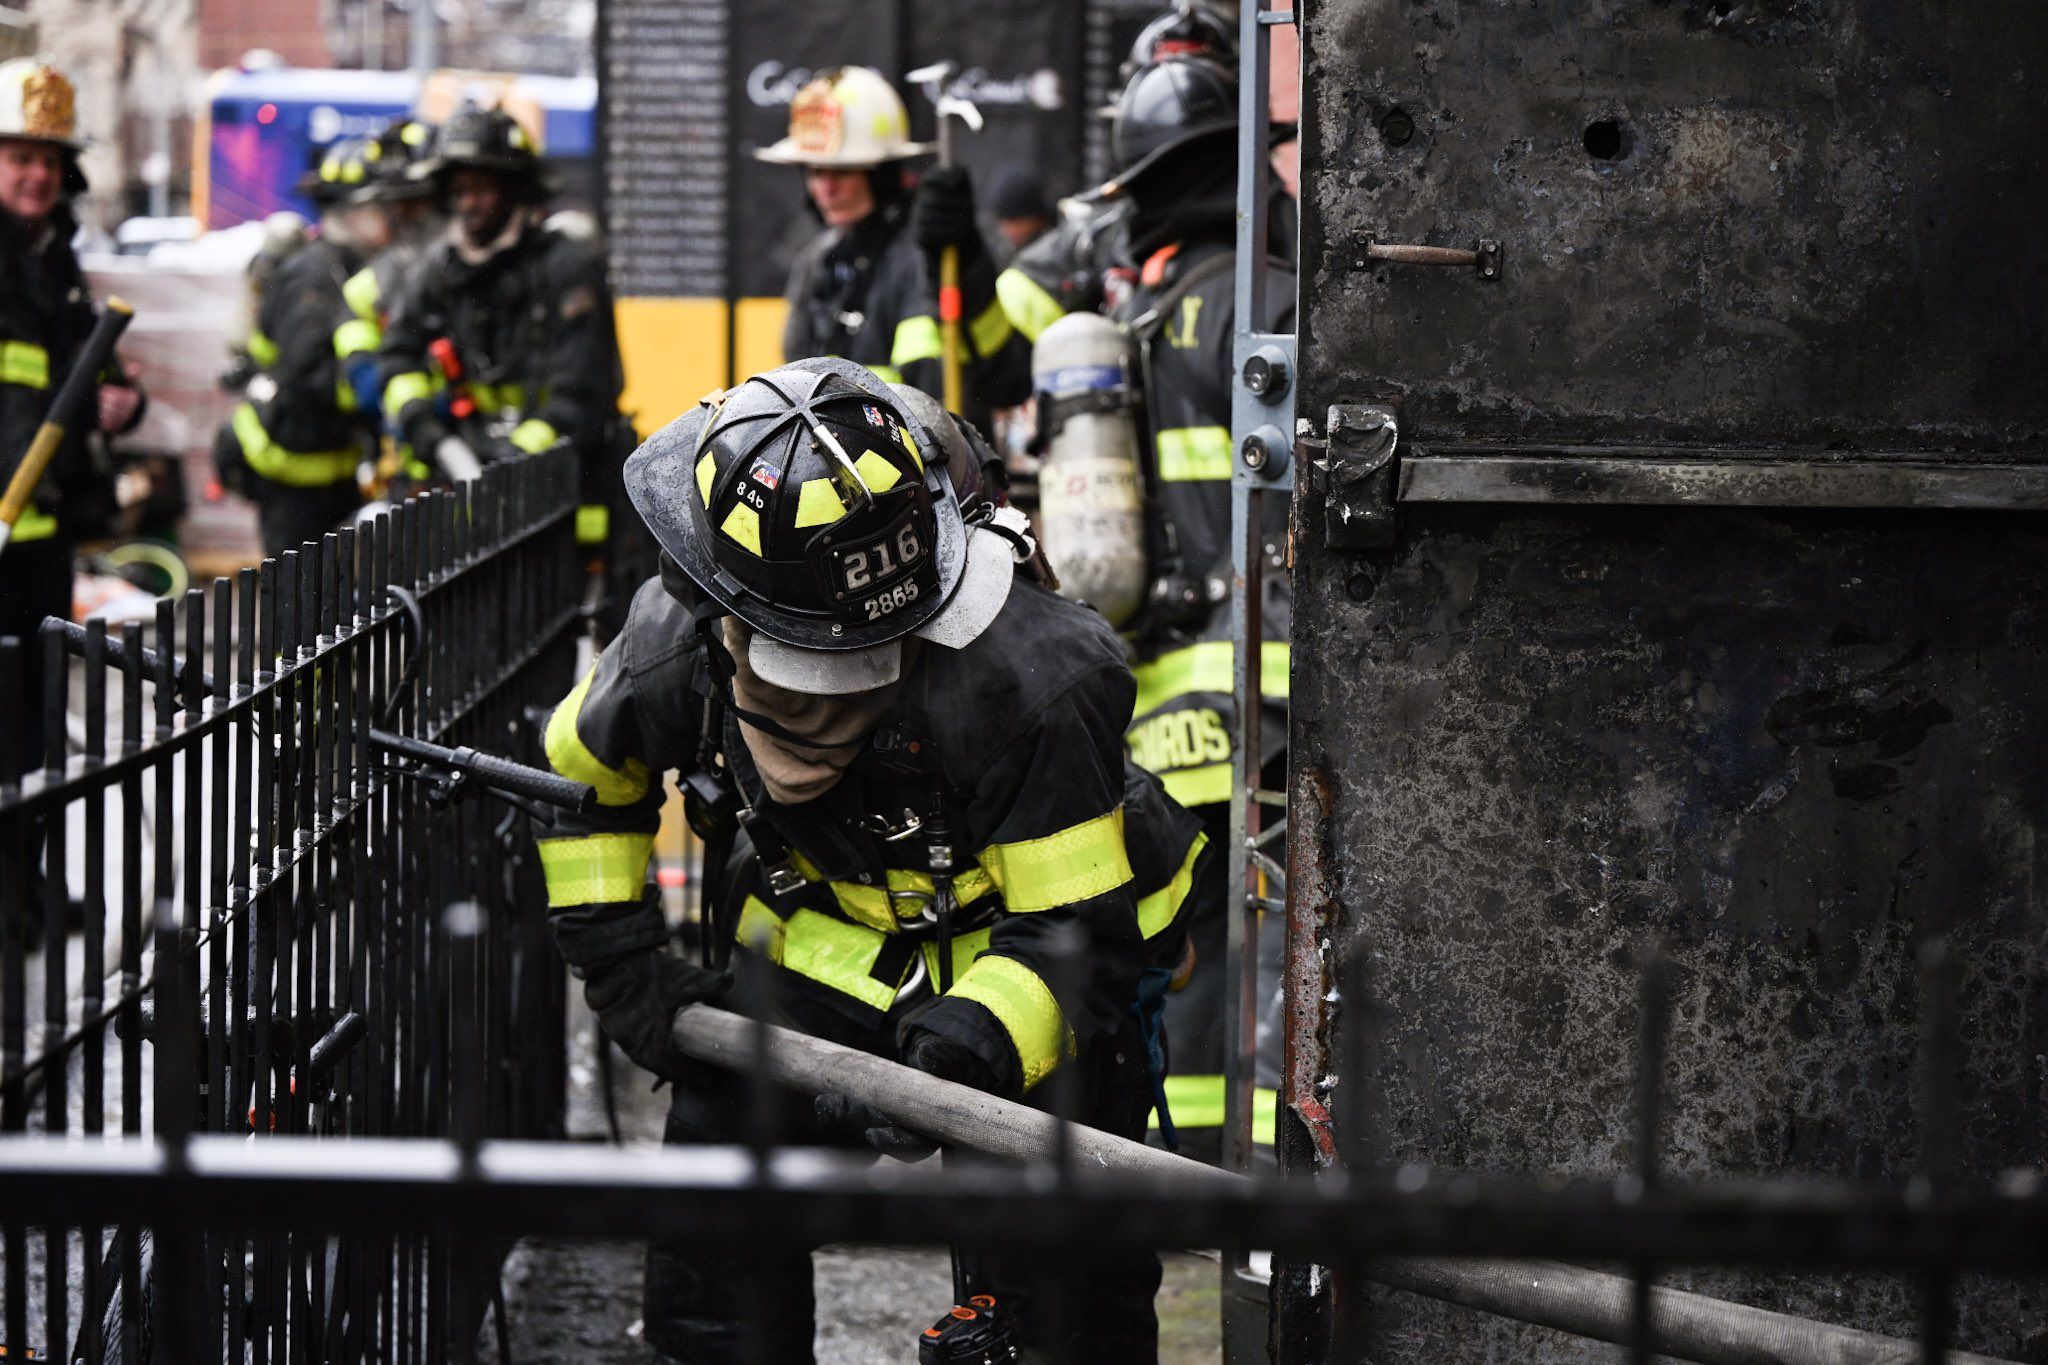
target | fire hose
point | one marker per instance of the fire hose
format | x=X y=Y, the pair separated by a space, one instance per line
x=1551 y=1294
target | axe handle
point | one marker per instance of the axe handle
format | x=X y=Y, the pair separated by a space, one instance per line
x=78 y=386
x=949 y=327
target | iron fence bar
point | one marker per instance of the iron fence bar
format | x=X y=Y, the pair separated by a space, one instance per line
x=566 y=1189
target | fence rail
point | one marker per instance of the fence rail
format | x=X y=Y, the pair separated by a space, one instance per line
x=213 y=869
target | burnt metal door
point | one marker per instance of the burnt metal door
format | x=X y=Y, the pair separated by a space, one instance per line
x=1669 y=567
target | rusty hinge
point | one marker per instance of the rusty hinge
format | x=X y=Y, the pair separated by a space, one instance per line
x=1358 y=504
x=1485 y=257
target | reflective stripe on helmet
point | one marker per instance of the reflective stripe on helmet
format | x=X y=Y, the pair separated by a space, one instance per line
x=1062 y=868
x=596 y=869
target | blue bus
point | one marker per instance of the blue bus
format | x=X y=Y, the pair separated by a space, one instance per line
x=259 y=131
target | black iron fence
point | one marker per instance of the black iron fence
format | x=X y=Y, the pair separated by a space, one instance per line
x=221 y=888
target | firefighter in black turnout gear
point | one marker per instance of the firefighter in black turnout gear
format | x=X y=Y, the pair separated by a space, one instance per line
x=1174 y=143
x=863 y=290
x=943 y=855
x=46 y=313
x=296 y=442
x=503 y=341
x=1083 y=264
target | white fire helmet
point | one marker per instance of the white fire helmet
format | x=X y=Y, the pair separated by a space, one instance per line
x=847 y=118
x=38 y=103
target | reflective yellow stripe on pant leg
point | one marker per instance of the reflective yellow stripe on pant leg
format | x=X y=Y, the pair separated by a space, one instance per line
x=1197 y=1102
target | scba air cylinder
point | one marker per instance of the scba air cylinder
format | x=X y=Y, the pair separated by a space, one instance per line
x=1091 y=496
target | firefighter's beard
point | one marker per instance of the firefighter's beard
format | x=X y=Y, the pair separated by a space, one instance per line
x=794 y=773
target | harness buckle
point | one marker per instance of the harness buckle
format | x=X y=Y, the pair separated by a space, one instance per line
x=888 y=833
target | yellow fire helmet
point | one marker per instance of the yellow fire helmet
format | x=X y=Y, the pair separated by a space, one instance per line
x=847 y=118
x=38 y=103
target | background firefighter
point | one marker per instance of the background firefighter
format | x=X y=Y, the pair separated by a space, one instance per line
x=46 y=313
x=295 y=445
x=503 y=341
x=946 y=857
x=863 y=290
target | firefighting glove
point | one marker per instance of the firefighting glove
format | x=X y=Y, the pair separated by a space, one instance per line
x=845 y=1117
x=637 y=997
x=943 y=216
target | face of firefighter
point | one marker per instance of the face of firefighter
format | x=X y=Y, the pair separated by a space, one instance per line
x=843 y=197
x=481 y=202
x=31 y=178
x=369 y=226
x=1022 y=232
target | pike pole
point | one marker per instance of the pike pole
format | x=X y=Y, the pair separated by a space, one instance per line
x=78 y=386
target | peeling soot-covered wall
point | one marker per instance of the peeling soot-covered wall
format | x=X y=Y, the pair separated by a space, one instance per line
x=1791 y=744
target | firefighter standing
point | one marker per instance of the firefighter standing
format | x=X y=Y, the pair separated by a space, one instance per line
x=46 y=313
x=294 y=446
x=1083 y=264
x=863 y=289
x=403 y=152
x=503 y=342
x=1174 y=144
x=951 y=860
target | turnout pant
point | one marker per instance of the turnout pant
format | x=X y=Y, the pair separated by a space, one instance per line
x=700 y=1297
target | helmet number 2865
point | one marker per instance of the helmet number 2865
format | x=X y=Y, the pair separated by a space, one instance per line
x=900 y=595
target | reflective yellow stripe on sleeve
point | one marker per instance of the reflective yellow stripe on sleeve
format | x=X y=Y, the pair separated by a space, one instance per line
x=414 y=386
x=533 y=435
x=293 y=468
x=262 y=349
x=1031 y=309
x=593 y=523
x=1194 y=454
x=1206 y=667
x=360 y=293
x=356 y=336
x=1072 y=865
x=916 y=339
x=35 y=524
x=990 y=330
x=24 y=363
x=1021 y=1001
x=597 y=869
x=568 y=755
x=1159 y=909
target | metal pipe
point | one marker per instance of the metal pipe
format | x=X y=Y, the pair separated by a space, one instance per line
x=1547 y=1293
